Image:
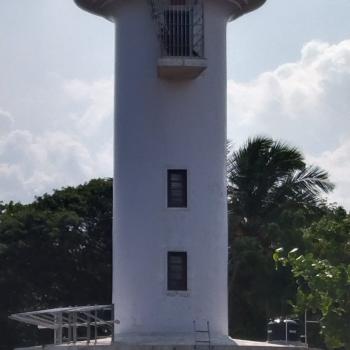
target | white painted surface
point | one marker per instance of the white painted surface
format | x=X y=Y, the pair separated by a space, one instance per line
x=159 y=125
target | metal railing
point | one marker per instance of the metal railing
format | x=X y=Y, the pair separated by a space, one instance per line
x=73 y=324
x=180 y=27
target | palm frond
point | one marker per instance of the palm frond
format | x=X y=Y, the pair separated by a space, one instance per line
x=314 y=180
x=264 y=174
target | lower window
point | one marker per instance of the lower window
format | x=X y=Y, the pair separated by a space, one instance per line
x=177 y=271
x=177 y=188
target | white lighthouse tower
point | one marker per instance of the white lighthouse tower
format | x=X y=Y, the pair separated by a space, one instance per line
x=170 y=226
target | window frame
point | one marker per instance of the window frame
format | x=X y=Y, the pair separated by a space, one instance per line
x=171 y=203
x=183 y=283
x=179 y=21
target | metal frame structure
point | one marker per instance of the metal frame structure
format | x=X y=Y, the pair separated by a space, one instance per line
x=73 y=324
x=180 y=27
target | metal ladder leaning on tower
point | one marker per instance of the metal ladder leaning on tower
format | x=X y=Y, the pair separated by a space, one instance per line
x=202 y=336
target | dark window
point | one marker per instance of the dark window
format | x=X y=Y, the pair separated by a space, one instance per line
x=177 y=271
x=178 y=32
x=177 y=188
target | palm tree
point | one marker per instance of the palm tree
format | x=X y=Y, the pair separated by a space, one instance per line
x=265 y=176
x=273 y=194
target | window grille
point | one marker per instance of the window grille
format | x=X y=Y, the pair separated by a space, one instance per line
x=177 y=188
x=180 y=27
x=177 y=271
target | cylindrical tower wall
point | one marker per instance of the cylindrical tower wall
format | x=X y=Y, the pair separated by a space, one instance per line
x=164 y=125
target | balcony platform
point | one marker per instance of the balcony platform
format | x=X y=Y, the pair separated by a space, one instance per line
x=169 y=342
x=180 y=68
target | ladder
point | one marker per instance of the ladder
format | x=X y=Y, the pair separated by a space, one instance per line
x=201 y=336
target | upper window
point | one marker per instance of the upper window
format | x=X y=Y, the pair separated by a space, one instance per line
x=177 y=271
x=177 y=188
x=180 y=27
x=179 y=31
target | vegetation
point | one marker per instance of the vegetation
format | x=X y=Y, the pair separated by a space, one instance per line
x=56 y=251
x=272 y=196
x=322 y=272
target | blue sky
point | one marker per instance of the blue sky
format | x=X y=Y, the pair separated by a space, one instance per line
x=288 y=77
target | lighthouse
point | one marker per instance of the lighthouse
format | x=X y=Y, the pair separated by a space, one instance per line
x=170 y=238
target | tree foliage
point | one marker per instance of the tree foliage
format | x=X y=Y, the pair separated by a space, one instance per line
x=267 y=176
x=55 y=252
x=322 y=272
x=273 y=195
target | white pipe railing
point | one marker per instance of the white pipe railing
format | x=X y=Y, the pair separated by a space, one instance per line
x=73 y=324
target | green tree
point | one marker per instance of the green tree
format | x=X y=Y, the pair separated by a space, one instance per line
x=265 y=177
x=322 y=273
x=56 y=251
x=272 y=195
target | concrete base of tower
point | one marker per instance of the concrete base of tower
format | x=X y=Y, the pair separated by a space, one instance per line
x=170 y=342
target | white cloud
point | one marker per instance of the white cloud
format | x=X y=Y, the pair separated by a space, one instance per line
x=306 y=103
x=33 y=162
x=6 y=122
x=337 y=162
x=308 y=99
x=96 y=97
x=31 y=165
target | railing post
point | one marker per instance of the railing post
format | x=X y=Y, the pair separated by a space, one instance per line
x=69 y=328
x=113 y=323
x=58 y=329
x=74 y=327
x=88 y=329
x=69 y=323
x=95 y=314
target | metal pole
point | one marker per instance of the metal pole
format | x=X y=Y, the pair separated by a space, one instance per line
x=181 y=31
x=190 y=30
x=95 y=326
x=69 y=328
x=113 y=324
x=285 y=321
x=305 y=319
x=88 y=329
x=74 y=327
x=202 y=30
x=178 y=14
x=58 y=329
